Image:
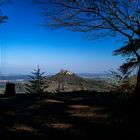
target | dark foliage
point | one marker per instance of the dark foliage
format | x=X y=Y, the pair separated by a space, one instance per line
x=121 y=83
x=131 y=51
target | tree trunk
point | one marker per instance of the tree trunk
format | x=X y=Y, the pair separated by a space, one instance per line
x=137 y=89
x=134 y=108
x=136 y=96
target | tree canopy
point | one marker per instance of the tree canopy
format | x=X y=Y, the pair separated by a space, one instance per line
x=100 y=18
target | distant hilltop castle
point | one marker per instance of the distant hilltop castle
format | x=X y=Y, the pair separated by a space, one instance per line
x=67 y=72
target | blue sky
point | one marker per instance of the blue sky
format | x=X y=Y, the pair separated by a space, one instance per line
x=24 y=44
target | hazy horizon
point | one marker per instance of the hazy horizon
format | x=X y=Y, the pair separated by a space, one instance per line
x=50 y=73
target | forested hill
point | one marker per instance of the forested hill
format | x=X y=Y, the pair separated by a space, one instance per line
x=68 y=78
x=67 y=81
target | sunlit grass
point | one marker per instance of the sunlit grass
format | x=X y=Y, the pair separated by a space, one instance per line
x=60 y=125
x=21 y=127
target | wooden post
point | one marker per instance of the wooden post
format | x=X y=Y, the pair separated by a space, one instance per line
x=10 y=89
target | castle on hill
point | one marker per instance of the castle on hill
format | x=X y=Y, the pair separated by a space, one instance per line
x=67 y=72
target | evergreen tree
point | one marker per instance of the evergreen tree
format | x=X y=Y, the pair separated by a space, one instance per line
x=37 y=83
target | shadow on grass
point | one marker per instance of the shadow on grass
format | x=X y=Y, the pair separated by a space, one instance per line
x=65 y=116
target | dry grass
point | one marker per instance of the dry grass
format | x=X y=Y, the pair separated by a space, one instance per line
x=52 y=101
x=60 y=125
x=87 y=112
x=21 y=127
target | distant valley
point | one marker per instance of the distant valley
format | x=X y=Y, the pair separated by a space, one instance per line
x=25 y=77
x=60 y=82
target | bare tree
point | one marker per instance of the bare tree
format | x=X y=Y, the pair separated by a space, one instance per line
x=100 y=18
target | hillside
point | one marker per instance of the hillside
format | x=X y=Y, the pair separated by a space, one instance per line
x=65 y=81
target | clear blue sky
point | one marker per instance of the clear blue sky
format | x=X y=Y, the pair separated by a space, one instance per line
x=25 y=44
